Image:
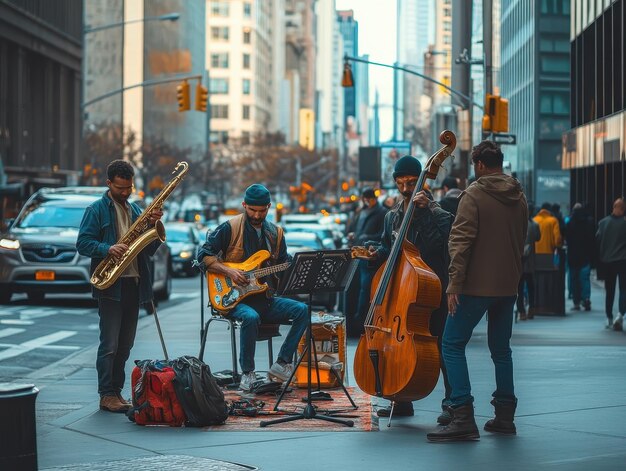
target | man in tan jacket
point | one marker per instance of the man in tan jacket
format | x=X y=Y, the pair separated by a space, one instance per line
x=486 y=247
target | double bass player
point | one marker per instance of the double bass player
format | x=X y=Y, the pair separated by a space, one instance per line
x=428 y=231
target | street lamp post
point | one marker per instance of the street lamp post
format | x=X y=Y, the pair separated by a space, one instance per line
x=174 y=16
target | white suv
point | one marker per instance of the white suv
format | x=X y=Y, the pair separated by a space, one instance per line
x=38 y=252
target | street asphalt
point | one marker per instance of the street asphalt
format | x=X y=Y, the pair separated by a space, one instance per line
x=570 y=381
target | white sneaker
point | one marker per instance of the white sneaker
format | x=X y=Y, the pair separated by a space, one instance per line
x=247 y=380
x=281 y=372
x=618 y=322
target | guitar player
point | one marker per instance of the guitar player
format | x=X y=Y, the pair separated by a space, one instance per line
x=234 y=242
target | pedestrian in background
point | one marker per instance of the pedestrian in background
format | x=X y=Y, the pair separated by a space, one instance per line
x=367 y=229
x=526 y=283
x=579 y=235
x=450 y=200
x=104 y=223
x=611 y=243
x=486 y=246
x=549 y=285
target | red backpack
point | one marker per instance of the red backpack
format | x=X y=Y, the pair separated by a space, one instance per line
x=154 y=398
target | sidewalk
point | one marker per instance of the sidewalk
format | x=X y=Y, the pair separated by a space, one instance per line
x=570 y=380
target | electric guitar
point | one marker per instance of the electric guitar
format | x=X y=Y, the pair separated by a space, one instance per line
x=224 y=295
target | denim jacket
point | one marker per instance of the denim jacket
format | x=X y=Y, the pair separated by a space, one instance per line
x=98 y=232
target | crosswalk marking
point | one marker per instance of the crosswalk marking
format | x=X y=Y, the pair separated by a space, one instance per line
x=35 y=343
x=16 y=322
x=10 y=331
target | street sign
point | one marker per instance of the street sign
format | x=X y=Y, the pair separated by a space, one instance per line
x=507 y=139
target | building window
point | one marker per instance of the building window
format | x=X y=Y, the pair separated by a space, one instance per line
x=245 y=112
x=555 y=103
x=218 y=86
x=447 y=12
x=247 y=10
x=245 y=137
x=555 y=7
x=246 y=61
x=447 y=26
x=219 y=60
x=446 y=39
x=219 y=111
x=219 y=8
x=247 y=36
x=246 y=86
x=219 y=33
x=555 y=64
x=219 y=137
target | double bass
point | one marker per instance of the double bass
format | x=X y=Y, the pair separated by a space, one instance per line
x=396 y=357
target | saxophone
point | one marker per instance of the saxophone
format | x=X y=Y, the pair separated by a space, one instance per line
x=138 y=236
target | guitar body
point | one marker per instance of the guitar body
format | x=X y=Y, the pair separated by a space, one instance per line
x=224 y=295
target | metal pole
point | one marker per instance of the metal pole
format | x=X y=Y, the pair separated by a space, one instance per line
x=488 y=44
x=461 y=50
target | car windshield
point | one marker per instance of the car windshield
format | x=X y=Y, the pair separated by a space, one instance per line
x=49 y=215
x=177 y=235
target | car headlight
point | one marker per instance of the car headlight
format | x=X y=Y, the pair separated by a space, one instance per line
x=185 y=254
x=9 y=244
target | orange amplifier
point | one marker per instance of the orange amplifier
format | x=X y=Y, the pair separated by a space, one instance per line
x=329 y=334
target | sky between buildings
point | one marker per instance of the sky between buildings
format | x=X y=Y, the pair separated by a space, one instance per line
x=377 y=33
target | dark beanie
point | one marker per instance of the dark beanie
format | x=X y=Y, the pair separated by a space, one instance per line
x=368 y=193
x=407 y=165
x=257 y=195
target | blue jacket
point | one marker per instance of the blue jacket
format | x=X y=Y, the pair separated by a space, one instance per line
x=98 y=232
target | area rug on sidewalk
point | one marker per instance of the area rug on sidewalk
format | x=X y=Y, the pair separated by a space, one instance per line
x=363 y=419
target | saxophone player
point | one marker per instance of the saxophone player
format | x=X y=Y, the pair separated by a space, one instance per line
x=104 y=223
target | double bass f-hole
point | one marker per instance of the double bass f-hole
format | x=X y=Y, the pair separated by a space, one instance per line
x=398 y=321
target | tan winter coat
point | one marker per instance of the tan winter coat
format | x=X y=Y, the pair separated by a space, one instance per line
x=487 y=238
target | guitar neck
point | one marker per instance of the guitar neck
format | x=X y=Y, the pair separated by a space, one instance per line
x=261 y=272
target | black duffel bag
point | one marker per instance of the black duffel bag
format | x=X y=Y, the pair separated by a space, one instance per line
x=198 y=392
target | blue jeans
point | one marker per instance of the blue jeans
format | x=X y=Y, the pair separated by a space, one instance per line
x=581 y=284
x=457 y=334
x=118 y=325
x=278 y=311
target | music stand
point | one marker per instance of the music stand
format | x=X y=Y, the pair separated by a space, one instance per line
x=310 y=273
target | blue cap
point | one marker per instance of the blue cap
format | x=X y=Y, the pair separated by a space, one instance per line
x=257 y=195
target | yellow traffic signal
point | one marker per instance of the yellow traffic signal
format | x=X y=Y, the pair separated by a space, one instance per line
x=202 y=97
x=501 y=121
x=496 y=117
x=182 y=95
x=347 y=79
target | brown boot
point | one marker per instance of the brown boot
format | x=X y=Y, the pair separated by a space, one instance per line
x=112 y=404
x=124 y=401
x=461 y=428
x=503 y=421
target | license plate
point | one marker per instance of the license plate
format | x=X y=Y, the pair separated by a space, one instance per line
x=44 y=275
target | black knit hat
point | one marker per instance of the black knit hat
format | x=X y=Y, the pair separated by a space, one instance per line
x=407 y=165
x=257 y=195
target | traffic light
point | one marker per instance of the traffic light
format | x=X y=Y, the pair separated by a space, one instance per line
x=202 y=96
x=496 y=117
x=182 y=95
x=347 y=79
x=501 y=122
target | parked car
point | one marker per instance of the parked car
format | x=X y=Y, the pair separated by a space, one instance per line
x=38 y=251
x=324 y=233
x=183 y=240
x=302 y=241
